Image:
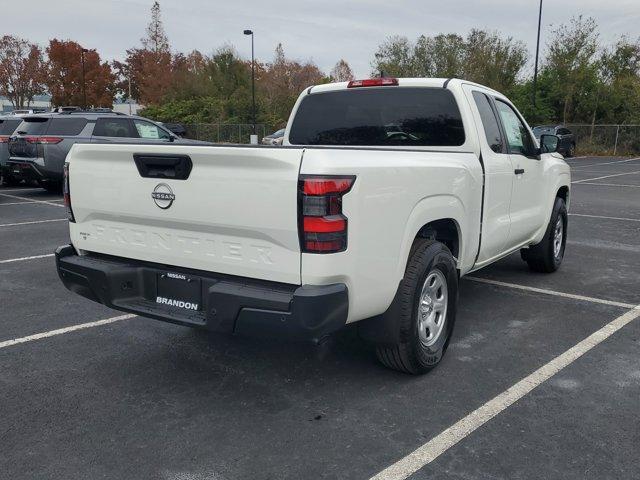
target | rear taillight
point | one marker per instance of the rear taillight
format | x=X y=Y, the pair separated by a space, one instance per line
x=43 y=140
x=4 y=139
x=322 y=225
x=374 y=82
x=66 y=192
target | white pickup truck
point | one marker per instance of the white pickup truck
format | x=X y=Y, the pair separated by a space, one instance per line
x=384 y=193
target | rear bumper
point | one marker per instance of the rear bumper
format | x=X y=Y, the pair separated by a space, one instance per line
x=32 y=169
x=229 y=304
x=24 y=169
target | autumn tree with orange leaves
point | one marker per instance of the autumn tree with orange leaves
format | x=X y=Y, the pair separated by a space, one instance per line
x=150 y=68
x=64 y=76
x=21 y=70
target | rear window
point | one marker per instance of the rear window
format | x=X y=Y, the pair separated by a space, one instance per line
x=543 y=130
x=387 y=116
x=7 y=127
x=33 y=126
x=66 y=126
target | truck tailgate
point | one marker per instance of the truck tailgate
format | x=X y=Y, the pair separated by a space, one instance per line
x=236 y=213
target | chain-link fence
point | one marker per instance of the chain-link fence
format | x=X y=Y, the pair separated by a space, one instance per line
x=606 y=139
x=224 y=132
x=590 y=139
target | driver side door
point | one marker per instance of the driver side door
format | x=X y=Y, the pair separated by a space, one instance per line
x=526 y=206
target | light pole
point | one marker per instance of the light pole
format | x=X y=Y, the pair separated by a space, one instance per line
x=84 y=87
x=535 y=68
x=129 y=93
x=253 y=82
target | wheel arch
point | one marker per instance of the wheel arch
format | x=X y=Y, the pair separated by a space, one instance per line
x=441 y=218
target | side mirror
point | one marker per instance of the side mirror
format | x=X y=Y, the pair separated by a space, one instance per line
x=549 y=143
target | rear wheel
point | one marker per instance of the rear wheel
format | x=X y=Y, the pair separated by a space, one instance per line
x=10 y=180
x=428 y=296
x=547 y=255
x=52 y=187
x=571 y=152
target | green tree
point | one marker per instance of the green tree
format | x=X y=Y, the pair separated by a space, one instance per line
x=619 y=96
x=571 y=69
x=482 y=56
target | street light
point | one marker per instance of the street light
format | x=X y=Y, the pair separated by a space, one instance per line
x=84 y=88
x=535 y=68
x=253 y=82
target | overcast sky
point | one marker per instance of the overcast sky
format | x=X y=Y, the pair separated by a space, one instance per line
x=323 y=30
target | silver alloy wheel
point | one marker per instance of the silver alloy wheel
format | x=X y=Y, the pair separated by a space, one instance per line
x=558 y=234
x=432 y=307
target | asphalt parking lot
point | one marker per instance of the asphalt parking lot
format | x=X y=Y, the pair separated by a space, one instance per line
x=541 y=380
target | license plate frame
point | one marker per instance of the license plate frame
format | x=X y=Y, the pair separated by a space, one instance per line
x=179 y=291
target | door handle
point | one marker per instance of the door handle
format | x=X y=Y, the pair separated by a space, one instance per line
x=518 y=171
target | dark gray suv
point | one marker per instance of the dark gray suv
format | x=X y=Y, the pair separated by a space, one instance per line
x=566 y=138
x=39 y=146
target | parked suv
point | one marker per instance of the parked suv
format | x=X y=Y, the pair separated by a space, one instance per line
x=40 y=144
x=566 y=138
x=8 y=125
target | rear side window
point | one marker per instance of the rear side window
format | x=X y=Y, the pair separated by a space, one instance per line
x=33 y=126
x=66 y=126
x=114 y=127
x=489 y=122
x=387 y=116
x=7 y=127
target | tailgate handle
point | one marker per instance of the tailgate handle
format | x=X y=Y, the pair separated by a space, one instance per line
x=176 y=167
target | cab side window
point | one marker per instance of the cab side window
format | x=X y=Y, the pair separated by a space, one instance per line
x=150 y=131
x=518 y=139
x=489 y=122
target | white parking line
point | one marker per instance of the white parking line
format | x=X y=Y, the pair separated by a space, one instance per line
x=21 y=189
x=14 y=203
x=606 y=176
x=22 y=259
x=606 y=163
x=31 y=200
x=34 y=222
x=464 y=427
x=53 y=201
x=625 y=219
x=550 y=292
x=611 y=184
x=60 y=331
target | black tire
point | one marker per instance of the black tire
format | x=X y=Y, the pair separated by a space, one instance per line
x=9 y=180
x=52 y=187
x=543 y=257
x=410 y=354
x=571 y=152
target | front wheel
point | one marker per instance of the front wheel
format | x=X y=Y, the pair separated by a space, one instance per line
x=546 y=256
x=428 y=296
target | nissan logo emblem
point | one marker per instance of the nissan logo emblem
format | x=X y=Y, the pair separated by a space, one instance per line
x=163 y=196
